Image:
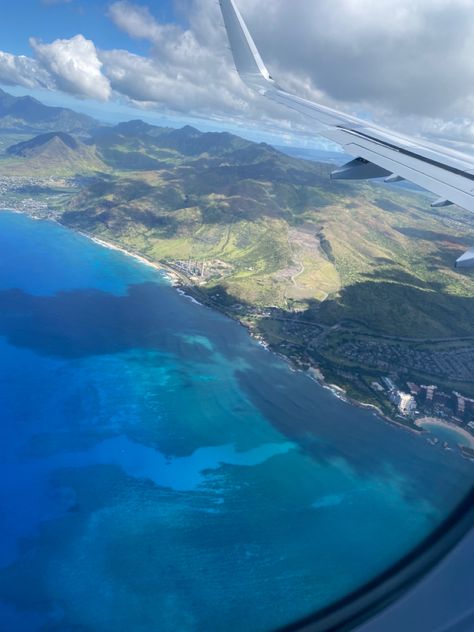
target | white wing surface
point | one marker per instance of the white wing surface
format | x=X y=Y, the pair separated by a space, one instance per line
x=378 y=152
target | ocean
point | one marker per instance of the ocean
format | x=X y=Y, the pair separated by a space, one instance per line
x=160 y=470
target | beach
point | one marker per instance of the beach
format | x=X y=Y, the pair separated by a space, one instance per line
x=445 y=430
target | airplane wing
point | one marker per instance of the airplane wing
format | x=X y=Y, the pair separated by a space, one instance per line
x=378 y=152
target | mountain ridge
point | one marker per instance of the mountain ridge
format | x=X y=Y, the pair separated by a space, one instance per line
x=27 y=114
x=31 y=147
x=56 y=153
x=317 y=267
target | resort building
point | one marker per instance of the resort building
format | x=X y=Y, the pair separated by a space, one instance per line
x=406 y=403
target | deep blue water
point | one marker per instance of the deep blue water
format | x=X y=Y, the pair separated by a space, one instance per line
x=159 y=470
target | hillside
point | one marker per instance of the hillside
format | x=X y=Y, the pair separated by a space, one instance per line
x=328 y=272
x=37 y=145
x=138 y=146
x=54 y=153
x=212 y=196
x=26 y=114
x=290 y=236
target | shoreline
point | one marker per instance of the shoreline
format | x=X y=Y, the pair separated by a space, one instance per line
x=179 y=281
x=183 y=285
x=446 y=425
x=341 y=394
x=170 y=274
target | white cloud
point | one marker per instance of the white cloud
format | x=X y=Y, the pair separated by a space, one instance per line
x=412 y=59
x=408 y=64
x=136 y=20
x=23 y=71
x=74 y=66
x=188 y=70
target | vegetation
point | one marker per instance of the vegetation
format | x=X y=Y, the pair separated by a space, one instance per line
x=306 y=262
x=25 y=114
x=54 y=153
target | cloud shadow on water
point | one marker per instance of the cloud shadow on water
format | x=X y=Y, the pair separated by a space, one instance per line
x=89 y=322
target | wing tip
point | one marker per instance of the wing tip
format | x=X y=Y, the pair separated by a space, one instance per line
x=466 y=261
x=247 y=58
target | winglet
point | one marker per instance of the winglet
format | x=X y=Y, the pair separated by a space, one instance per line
x=247 y=59
x=467 y=260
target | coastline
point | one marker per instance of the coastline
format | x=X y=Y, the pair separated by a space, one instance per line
x=341 y=394
x=185 y=287
x=171 y=275
x=426 y=422
x=179 y=281
x=111 y=246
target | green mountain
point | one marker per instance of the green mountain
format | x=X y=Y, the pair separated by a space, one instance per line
x=342 y=275
x=58 y=141
x=136 y=145
x=286 y=235
x=54 y=153
x=26 y=114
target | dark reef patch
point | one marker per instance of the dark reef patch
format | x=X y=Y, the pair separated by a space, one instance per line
x=82 y=323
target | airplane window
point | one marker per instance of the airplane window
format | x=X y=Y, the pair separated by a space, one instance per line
x=236 y=358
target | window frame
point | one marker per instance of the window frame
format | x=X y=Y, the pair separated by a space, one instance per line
x=364 y=603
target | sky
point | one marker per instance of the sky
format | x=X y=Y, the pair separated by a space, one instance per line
x=407 y=65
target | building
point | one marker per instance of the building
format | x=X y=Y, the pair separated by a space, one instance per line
x=389 y=384
x=459 y=405
x=406 y=403
x=377 y=387
x=414 y=388
x=430 y=392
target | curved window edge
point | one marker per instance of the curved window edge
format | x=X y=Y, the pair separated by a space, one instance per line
x=366 y=602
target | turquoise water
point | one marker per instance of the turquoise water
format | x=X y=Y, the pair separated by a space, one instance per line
x=449 y=434
x=159 y=470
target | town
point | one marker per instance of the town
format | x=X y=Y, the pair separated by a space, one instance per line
x=429 y=400
x=200 y=272
x=40 y=197
x=406 y=379
x=456 y=362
